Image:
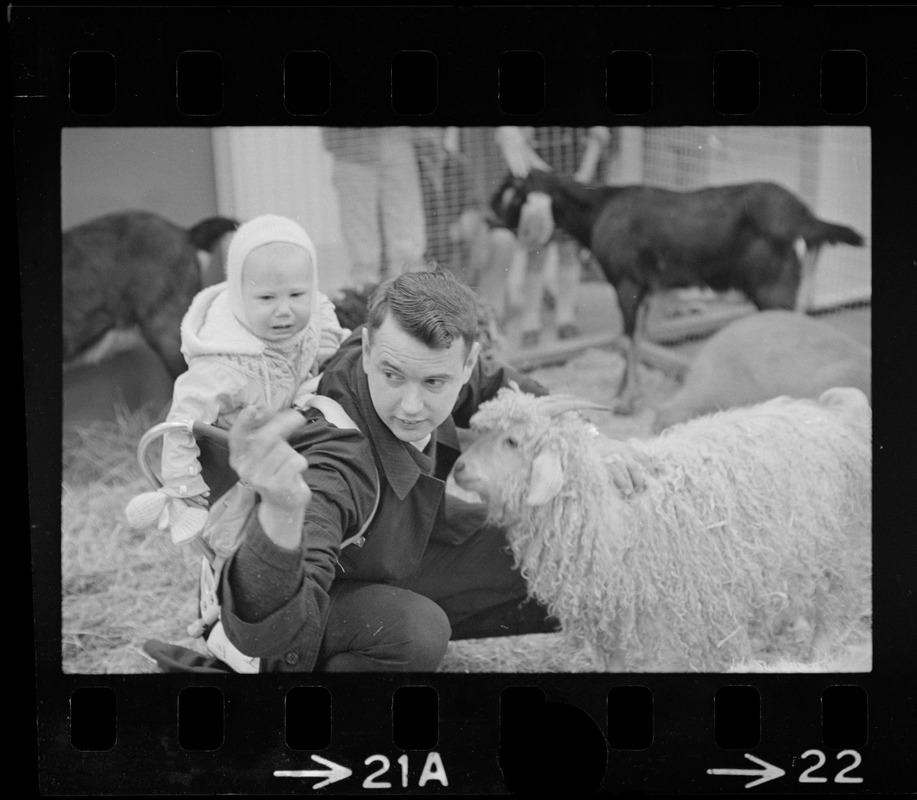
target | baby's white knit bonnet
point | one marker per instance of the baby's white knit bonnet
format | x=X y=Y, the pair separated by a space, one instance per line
x=266 y=229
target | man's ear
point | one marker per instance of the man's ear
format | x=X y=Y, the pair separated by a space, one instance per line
x=547 y=477
x=365 y=339
x=470 y=360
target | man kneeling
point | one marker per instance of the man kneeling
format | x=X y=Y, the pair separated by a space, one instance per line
x=427 y=568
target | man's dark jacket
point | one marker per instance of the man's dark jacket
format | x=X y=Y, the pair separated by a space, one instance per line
x=275 y=601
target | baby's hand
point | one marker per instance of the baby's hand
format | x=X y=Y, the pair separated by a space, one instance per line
x=518 y=153
x=629 y=467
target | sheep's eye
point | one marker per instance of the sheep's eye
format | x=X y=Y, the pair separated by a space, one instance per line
x=510 y=442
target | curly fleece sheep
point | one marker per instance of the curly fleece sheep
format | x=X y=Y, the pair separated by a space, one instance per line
x=752 y=540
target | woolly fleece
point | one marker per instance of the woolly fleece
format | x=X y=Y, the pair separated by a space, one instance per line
x=753 y=539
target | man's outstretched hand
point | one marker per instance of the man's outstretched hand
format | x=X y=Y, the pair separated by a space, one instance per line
x=261 y=455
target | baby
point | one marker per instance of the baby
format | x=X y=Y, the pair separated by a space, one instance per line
x=255 y=340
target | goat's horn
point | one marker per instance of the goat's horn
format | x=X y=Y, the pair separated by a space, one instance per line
x=557 y=404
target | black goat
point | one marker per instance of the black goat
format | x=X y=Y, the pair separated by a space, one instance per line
x=646 y=239
x=133 y=268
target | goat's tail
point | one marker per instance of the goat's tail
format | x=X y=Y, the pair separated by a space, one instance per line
x=209 y=231
x=819 y=232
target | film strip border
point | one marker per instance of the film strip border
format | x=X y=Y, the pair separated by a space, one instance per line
x=568 y=717
x=519 y=83
x=301 y=66
x=521 y=737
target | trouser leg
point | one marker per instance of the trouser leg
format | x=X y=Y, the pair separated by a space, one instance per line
x=403 y=222
x=500 y=248
x=477 y=586
x=533 y=294
x=358 y=195
x=568 y=281
x=464 y=591
x=377 y=627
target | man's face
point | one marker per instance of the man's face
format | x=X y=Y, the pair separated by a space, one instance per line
x=277 y=290
x=413 y=387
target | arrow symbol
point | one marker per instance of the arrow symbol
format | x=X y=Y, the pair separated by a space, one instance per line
x=333 y=773
x=767 y=774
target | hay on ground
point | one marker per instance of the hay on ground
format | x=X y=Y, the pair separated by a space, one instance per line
x=119 y=586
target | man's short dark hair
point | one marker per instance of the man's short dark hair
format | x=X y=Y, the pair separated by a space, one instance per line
x=434 y=307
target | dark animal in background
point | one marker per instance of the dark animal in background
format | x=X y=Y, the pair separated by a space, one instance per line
x=645 y=239
x=350 y=306
x=133 y=269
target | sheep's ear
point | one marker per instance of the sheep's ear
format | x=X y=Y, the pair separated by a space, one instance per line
x=547 y=476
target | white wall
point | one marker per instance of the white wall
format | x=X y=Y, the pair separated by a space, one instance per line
x=166 y=170
x=283 y=170
x=844 y=195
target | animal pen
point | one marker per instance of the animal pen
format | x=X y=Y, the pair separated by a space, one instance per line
x=828 y=168
x=126 y=586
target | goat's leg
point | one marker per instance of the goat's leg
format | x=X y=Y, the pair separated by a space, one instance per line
x=633 y=311
x=568 y=281
x=626 y=400
x=533 y=294
x=806 y=294
x=780 y=262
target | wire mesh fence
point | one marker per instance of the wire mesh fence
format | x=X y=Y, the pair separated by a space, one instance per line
x=828 y=168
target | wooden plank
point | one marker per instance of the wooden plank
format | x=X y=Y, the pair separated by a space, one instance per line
x=558 y=351
x=651 y=350
x=695 y=325
x=666 y=359
x=656 y=355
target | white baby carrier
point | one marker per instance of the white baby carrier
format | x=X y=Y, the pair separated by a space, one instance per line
x=223 y=532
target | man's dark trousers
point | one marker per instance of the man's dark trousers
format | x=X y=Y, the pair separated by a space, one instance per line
x=460 y=591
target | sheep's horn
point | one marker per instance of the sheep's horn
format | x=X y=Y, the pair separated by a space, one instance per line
x=556 y=404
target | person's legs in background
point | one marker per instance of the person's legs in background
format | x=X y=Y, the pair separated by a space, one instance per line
x=358 y=199
x=494 y=257
x=532 y=295
x=401 y=203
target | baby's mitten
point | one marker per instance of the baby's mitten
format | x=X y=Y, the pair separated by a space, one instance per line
x=147 y=509
x=188 y=522
x=158 y=508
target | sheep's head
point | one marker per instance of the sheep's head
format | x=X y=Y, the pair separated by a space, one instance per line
x=518 y=457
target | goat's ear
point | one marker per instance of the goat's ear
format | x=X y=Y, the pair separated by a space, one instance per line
x=547 y=476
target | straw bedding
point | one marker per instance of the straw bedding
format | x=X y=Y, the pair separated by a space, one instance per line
x=119 y=586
